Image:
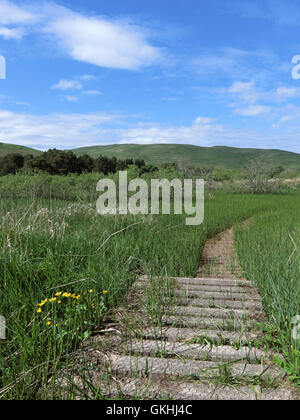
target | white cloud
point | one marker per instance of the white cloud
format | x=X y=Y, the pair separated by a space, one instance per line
x=92 y=92
x=13 y=14
x=70 y=98
x=76 y=84
x=245 y=92
x=88 y=77
x=203 y=120
x=54 y=130
x=252 y=101
x=102 y=42
x=286 y=118
x=287 y=92
x=64 y=84
x=233 y=63
x=253 y=111
x=8 y=33
x=241 y=87
x=76 y=130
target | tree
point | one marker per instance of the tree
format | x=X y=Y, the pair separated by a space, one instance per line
x=62 y=163
x=37 y=162
x=85 y=163
x=257 y=177
x=105 y=165
x=11 y=163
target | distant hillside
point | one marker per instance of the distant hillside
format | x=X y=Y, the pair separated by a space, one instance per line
x=5 y=149
x=157 y=154
x=228 y=157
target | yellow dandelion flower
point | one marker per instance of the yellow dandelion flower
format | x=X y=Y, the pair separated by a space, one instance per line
x=58 y=294
x=91 y=291
x=42 y=303
x=52 y=299
x=78 y=297
x=59 y=301
x=105 y=291
x=48 y=323
x=39 y=310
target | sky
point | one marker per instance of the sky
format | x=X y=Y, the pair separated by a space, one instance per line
x=208 y=73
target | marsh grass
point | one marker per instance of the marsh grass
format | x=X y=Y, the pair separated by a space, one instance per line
x=269 y=249
x=50 y=245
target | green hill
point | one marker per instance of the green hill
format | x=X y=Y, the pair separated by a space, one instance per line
x=228 y=157
x=157 y=154
x=5 y=149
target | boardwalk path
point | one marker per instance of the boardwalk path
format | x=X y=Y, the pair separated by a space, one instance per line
x=188 y=338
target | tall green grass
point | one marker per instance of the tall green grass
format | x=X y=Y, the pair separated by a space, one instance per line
x=48 y=246
x=269 y=251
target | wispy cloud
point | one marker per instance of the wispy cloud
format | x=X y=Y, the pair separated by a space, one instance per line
x=53 y=130
x=229 y=62
x=88 y=77
x=64 y=84
x=237 y=64
x=253 y=110
x=70 y=98
x=12 y=14
x=250 y=100
x=280 y=12
x=98 y=40
x=75 y=130
x=76 y=85
x=8 y=33
x=92 y=92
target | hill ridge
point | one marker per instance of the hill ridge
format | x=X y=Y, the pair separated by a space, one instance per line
x=186 y=154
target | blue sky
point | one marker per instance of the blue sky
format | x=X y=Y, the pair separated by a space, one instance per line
x=209 y=72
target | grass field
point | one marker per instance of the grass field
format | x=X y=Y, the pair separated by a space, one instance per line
x=63 y=267
x=268 y=250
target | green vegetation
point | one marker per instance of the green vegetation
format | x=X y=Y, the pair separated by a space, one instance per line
x=58 y=162
x=187 y=155
x=63 y=266
x=268 y=248
x=6 y=149
x=60 y=245
x=184 y=155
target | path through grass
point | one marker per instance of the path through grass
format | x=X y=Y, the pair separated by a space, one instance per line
x=84 y=264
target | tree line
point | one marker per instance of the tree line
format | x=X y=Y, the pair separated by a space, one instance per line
x=58 y=162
